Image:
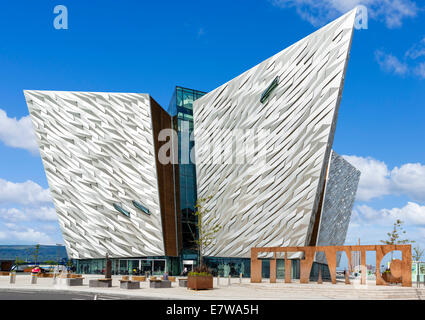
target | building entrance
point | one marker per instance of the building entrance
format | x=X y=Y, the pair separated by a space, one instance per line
x=189 y=265
x=142 y=266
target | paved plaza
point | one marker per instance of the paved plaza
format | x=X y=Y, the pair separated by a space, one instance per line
x=235 y=291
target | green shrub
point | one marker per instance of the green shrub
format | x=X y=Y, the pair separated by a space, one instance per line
x=201 y=271
x=200 y=274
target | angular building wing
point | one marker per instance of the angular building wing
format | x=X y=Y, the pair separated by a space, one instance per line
x=110 y=192
x=280 y=116
x=340 y=192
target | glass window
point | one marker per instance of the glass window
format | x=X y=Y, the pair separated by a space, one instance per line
x=187 y=172
x=123 y=267
x=179 y=96
x=145 y=266
x=158 y=267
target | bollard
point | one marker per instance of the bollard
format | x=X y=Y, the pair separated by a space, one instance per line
x=12 y=277
x=240 y=278
x=319 y=279
x=347 y=278
x=218 y=280
x=228 y=281
x=34 y=278
x=418 y=281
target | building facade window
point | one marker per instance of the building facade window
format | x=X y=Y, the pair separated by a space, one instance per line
x=141 y=207
x=181 y=108
x=120 y=209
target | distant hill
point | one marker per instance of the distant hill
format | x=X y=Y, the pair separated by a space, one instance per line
x=24 y=252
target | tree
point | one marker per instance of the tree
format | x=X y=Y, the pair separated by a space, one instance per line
x=37 y=250
x=207 y=228
x=395 y=234
x=19 y=261
x=417 y=253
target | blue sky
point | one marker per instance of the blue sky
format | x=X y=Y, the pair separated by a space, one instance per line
x=149 y=47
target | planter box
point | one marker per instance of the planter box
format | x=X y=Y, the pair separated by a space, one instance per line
x=73 y=282
x=138 y=278
x=200 y=282
x=160 y=284
x=100 y=283
x=171 y=278
x=183 y=282
x=124 y=284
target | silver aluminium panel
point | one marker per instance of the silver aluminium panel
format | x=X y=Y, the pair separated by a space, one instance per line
x=272 y=200
x=97 y=150
x=341 y=187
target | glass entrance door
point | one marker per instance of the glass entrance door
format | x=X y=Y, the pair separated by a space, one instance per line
x=142 y=266
x=158 y=267
x=123 y=267
x=145 y=266
x=133 y=267
x=189 y=265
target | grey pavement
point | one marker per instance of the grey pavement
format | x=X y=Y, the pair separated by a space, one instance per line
x=23 y=289
x=22 y=294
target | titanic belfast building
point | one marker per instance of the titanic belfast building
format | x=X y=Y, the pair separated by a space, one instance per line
x=125 y=173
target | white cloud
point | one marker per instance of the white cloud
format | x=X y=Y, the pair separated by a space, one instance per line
x=372 y=225
x=28 y=214
x=201 y=32
x=409 y=179
x=420 y=70
x=26 y=193
x=31 y=218
x=392 y=12
x=390 y=63
x=374 y=178
x=26 y=235
x=21 y=233
x=412 y=213
x=421 y=232
x=377 y=180
x=418 y=50
x=409 y=65
x=18 y=133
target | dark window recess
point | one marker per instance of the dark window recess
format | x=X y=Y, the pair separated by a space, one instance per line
x=141 y=207
x=120 y=209
x=269 y=89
